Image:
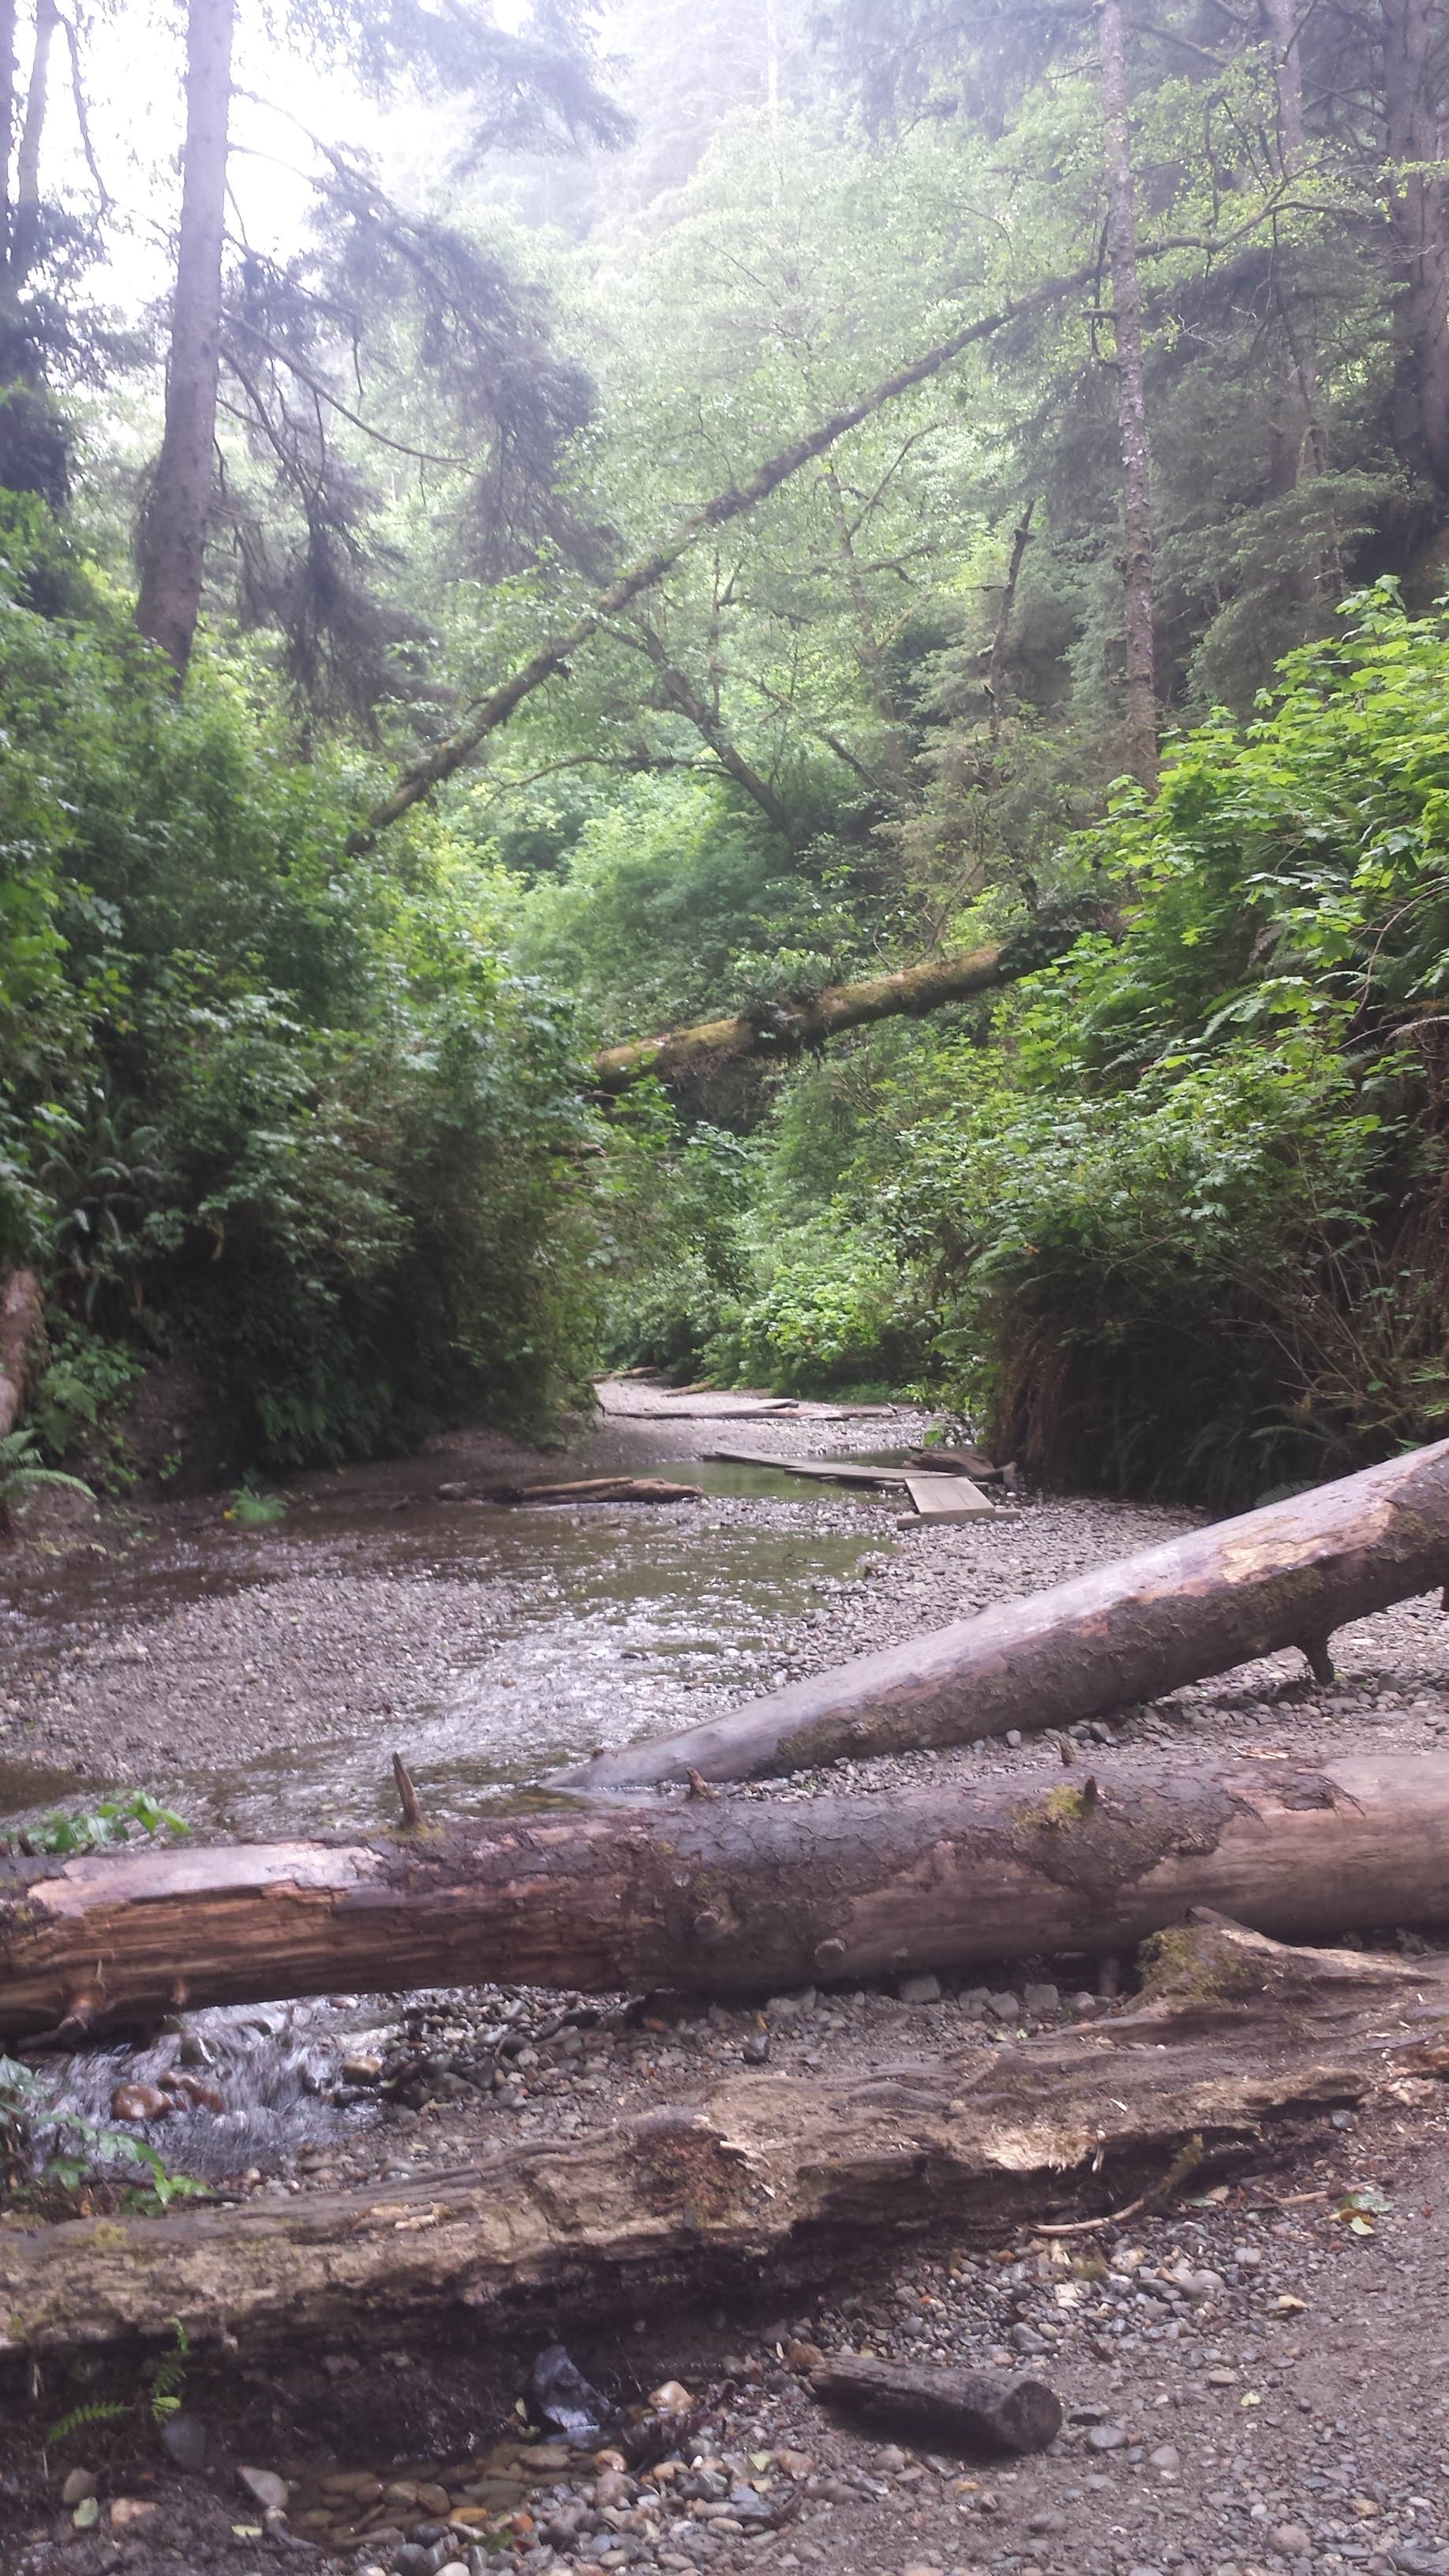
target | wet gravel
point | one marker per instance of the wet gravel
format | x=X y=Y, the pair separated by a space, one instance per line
x=1252 y=2379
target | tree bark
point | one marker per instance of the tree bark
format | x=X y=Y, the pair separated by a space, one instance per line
x=764 y=2176
x=719 y=1895
x=27 y=164
x=1139 y=675
x=173 y=529
x=1284 y=1576
x=22 y=1322
x=680 y=1055
x=1417 y=214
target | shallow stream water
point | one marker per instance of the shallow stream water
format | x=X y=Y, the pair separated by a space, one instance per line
x=604 y=1623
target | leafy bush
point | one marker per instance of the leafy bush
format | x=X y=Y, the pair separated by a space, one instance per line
x=263 y=1100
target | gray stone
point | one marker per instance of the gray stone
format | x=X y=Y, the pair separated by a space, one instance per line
x=270 y=2491
x=184 y=2441
x=919 y=1990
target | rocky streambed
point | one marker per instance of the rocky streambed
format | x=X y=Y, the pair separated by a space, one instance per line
x=1250 y=2375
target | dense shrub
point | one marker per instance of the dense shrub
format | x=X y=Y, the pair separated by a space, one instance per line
x=263 y=1101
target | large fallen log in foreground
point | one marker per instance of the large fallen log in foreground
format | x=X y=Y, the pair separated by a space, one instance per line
x=725 y=1894
x=1284 y=1576
x=766 y=2177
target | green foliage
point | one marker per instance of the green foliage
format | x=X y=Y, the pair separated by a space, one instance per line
x=96 y=1828
x=1187 y=1228
x=22 y=1471
x=260 y=1102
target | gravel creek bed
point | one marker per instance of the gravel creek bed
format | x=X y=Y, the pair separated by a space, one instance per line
x=1254 y=2384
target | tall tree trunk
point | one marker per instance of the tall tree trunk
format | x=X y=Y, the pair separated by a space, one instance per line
x=173 y=532
x=1282 y=23
x=1417 y=213
x=1140 y=679
x=27 y=166
x=7 y=126
x=996 y=662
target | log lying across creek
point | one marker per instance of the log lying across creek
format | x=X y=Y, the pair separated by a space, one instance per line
x=723 y=1895
x=1284 y=1576
x=766 y=2178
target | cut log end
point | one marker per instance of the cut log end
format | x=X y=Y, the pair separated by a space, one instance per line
x=971 y=2409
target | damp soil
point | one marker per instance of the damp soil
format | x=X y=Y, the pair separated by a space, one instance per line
x=261 y=1679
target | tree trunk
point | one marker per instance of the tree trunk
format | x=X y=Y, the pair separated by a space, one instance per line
x=680 y=1055
x=1417 y=215
x=996 y=660
x=1284 y=1576
x=720 y=1895
x=1140 y=682
x=765 y=2175
x=22 y=1322
x=173 y=530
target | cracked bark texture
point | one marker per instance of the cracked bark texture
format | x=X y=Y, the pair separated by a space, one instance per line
x=765 y=2178
x=722 y=1895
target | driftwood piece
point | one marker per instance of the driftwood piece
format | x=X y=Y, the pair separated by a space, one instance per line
x=721 y=1895
x=975 y=2409
x=1284 y=1576
x=22 y=1321
x=766 y=2178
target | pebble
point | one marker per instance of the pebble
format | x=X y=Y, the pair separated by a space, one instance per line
x=269 y=2491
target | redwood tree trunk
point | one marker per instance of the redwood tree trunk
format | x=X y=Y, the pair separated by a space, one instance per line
x=1284 y=1576
x=1140 y=683
x=721 y=1895
x=173 y=531
x=1417 y=212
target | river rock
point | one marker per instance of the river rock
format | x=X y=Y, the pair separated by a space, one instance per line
x=270 y=2491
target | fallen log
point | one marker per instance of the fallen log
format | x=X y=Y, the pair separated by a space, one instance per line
x=721 y=1895
x=1287 y=1575
x=764 y=2179
x=679 y=1055
x=975 y=2408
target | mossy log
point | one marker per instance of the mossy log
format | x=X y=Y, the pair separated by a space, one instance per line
x=1287 y=1575
x=765 y=2178
x=722 y=1895
x=679 y=1055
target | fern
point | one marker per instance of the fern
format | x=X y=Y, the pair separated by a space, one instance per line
x=169 y=2375
x=103 y=2411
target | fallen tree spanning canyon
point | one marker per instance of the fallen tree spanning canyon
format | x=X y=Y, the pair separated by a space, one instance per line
x=1287 y=1575
x=721 y=1895
x=765 y=2177
x=677 y=1055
